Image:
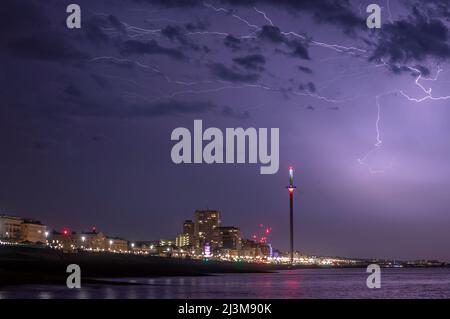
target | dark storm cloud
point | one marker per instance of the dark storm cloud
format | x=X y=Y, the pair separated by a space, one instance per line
x=173 y=33
x=299 y=50
x=45 y=46
x=176 y=33
x=225 y=73
x=434 y=8
x=423 y=70
x=305 y=69
x=150 y=47
x=115 y=22
x=273 y=34
x=94 y=27
x=196 y=26
x=336 y=12
x=94 y=32
x=323 y=11
x=308 y=86
x=232 y=42
x=311 y=87
x=251 y=62
x=413 y=39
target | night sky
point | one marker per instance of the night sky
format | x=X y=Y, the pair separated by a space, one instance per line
x=86 y=117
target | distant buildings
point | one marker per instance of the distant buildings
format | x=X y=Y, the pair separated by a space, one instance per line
x=253 y=249
x=189 y=228
x=201 y=237
x=206 y=222
x=117 y=244
x=166 y=242
x=183 y=240
x=145 y=246
x=16 y=229
x=206 y=236
x=10 y=227
x=228 y=237
x=33 y=231
x=93 y=240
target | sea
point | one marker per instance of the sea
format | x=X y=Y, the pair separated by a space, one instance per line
x=327 y=283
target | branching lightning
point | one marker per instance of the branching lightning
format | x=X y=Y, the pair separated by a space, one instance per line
x=349 y=51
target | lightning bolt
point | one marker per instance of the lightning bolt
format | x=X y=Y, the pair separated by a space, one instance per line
x=427 y=96
x=228 y=11
x=152 y=68
x=264 y=15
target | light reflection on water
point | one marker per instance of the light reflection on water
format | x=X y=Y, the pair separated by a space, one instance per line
x=306 y=283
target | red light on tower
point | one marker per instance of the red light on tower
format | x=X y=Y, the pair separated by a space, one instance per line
x=65 y=232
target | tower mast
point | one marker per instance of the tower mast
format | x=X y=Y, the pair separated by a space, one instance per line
x=291 y=189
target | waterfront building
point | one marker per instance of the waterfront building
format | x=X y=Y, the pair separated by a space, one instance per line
x=228 y=237
x=183 y=240
x=167 y=242
x=17 y=229
x=92 y=240
x=117 y=244
x=10 y=227
x=146 y=246
x=65 y=240
x=32 y=231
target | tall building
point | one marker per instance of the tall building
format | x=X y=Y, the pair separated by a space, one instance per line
x=186 y=238
x=206 y=222
x=229 y=237
x=188 y=227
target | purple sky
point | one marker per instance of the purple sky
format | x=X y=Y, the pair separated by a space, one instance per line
x=86 y=117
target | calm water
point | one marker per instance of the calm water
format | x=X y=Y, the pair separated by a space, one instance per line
x=307 y=283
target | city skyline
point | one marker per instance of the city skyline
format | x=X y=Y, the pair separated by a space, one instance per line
x=87 y=114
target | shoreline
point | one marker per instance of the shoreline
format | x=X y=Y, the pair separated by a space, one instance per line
x=44 y=266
